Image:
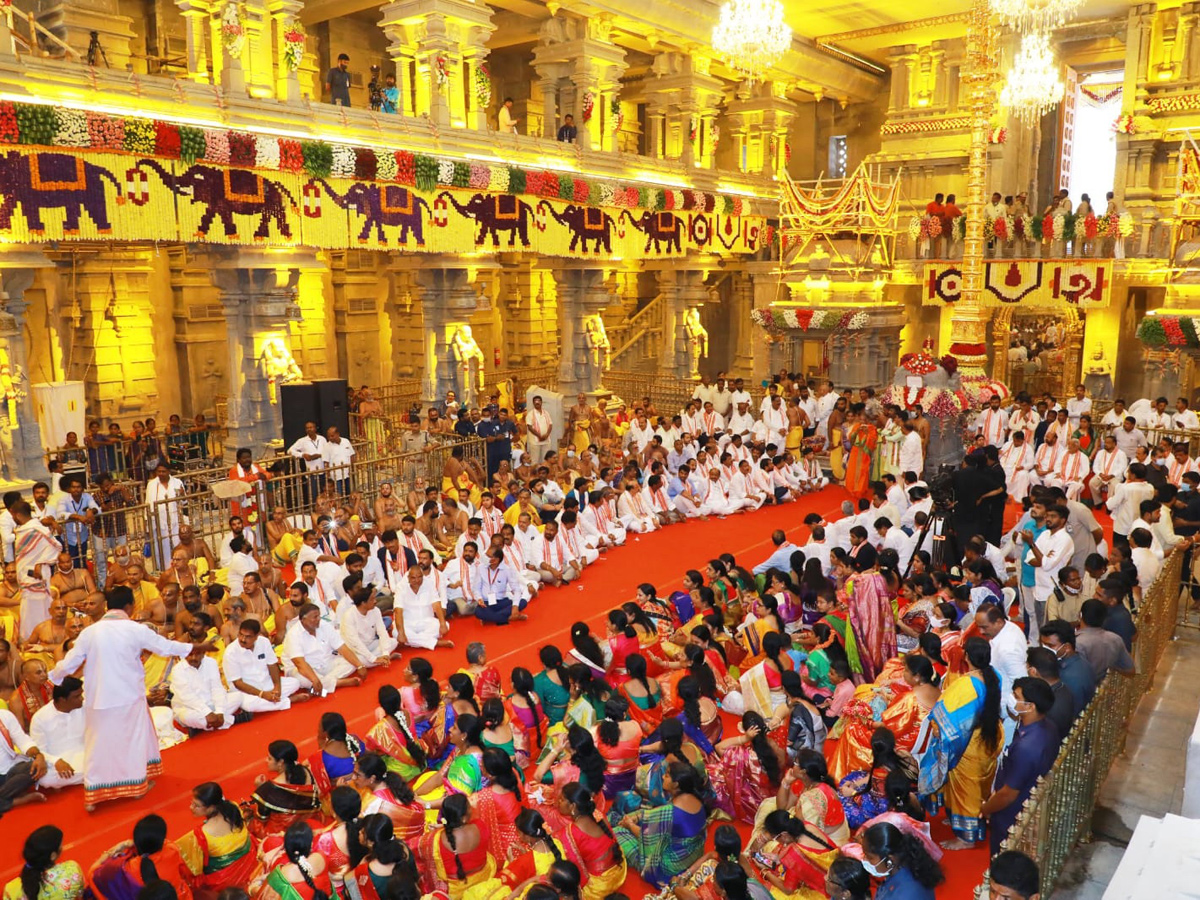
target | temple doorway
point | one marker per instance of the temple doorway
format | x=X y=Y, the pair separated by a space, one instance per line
x=1043 y=349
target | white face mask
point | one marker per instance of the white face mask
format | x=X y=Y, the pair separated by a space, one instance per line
x=876 y=872
x=938 y=623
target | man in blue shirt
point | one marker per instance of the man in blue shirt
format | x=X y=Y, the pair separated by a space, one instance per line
x=489 y=429
x=1029 y=602
x=1028 y=758
x=498 y=587
x=1058 y=636
x=781 y=558
x=76 y=513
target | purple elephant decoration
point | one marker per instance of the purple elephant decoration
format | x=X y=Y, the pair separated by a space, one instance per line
x=659 y=228
x=41 y=181
x=495 y=213
x=383 y=204
x=229 y=192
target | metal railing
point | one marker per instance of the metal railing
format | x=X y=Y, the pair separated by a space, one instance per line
x=133 y=459
x=669 y=395
x=1058 y=813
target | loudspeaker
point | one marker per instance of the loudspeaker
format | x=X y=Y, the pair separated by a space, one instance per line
x=298 y=404
x=333 y=406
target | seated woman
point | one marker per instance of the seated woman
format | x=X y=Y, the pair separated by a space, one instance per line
x=837 y=616
x=572 y=757
x=587 y=650
x=726 y=596
x=699 y=715
x=662 y=613
x=617 y=739
x=125 y=869
x=486 y=679
x=525 y=712
x=761 y=686
x=823 y=649
x=643 y=694
x=534 y=853
x=387 y=861
x=687 y=603
x=421 y=697
x=589 y=843
x=747 y=769
x=906 y=813
x=297 y=872
x=781 y=589
x=943 y=623
x=795 y=857
x=384 y=791
x=462 y=770
x=219 y=852
x=663 y=841
x=649 y=637
x=552 y=684
x=700 y=881
x=863 y=792
x=809 y=792
x=333 y=763
x=901 y=861
x=901 y=707
x=622 y=641
x=454 y=858
x=459 y=700
x=498 y=732
x=43 y=876
x=762 y=619
x=498 y=804
x=338 y=842
x=392 y=737
x=705 y=667
x=287 y=794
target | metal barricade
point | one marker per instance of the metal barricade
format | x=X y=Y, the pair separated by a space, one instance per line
x=1058 y=813
x=669 y=395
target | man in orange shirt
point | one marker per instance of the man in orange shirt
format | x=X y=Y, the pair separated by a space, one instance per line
x=935 y=209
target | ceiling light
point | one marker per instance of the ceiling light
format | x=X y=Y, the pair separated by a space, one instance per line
x=1030 y=16
x=752 y=36
x=1034 y=85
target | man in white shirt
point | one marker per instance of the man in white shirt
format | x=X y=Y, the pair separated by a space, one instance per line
x=1079 y=405
x=58 y=731
x=741 y=422
x=808 y=405
x=1149 y=514
x=1159 y=419
x=892 y=537
x=895 y=493
x=316 y=656
x=237 y=529
x=912 y=453
x=1185 y=418
x=640 y=433
x=1147 y=564
x=775 y=421
x=1009 y=656
x=1115 y=416
x=529 y=571
x=1071 y=472
x=1179 y=463
x=1125 y=500
x=1016 y=458
x=505 y=120
x=819 y=548
x=339 y=453
x=703 y=391
x=991 y=423
x=1023 y=418
x=1051 y=551
x=1046 y=460
x=538 y=426
x=22 y=764
x=460 y=576
x=310 y=450
x=241 y=562
x=252 y=669
x=198 y=699
x=1108 y=470
x=722 y=396
x=1129 y=437
x=556 y=565
x=165 y=516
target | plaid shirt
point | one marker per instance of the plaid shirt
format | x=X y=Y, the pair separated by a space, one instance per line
x=112 y=524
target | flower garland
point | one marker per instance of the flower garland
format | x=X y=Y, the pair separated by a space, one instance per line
x=1087 y=228
x=776 y=320
x=1174 y=103
x=1002 y=228
x=441 y=71
x=233 y=30
x=293 y=45
x=614 y=110
x=1124 y=125
x=918 y=363
x=937 y=403
x=1101 y=98
x=589 y=106
x=483 y=84
x=931 y=227
x=1169 y=331
x=998 y=135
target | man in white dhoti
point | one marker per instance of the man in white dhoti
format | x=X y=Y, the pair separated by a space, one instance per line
x=991 y=423
x=716 y=501
x=1046 y=460
x=1072 y=471
x=1017 y=461
x=518 y=560
x=1024 y=417
x=661 y=503
x=578 y=551
x=316 y=656
x=252 y=668
x=57 y=730
x=121 y=747
x=36 y=552
x=634 y=512
x=538 y=427
x=556 y=565
x=814 y=477
x=775 y=422
x=420 y=616
x=460 y=577
x=742 y=493
x=364 y=631
x=1108 y=470
x=165 y=510
x=198 y=698
x=912 y=449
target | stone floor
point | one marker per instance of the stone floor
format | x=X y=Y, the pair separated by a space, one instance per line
x=1147 y=779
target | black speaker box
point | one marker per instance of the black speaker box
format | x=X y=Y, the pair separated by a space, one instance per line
x=333 y=406
x=298 y=404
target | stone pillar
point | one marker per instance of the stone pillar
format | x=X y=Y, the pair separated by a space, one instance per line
x=73 y=21
x=23 y=455
x=287 y=83
x=258 y=295
x=582 y=292
x=196 y=17
x=449 y=299
x=655 y=126
x=743 y=302
x=683 y=291
x=549 y=86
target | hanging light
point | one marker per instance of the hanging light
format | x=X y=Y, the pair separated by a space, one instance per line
x=752 y=36
x=1034 y=85
x=1031 y=16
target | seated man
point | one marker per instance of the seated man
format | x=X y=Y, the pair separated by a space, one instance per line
x=47 y=639
x=634 y=512
x=460 y=577
x=258 y=603
x=498 y=589
x=556 y=562
x=22 y=765
x=57 y=728
x=252 y=669
x=241 y=561
x=1072 y=471
x=315 y=655
x=516 y=557
x=237 y=529
x=578 y=550
x=363 y=630
x=660 y=503
x=420 y=617
x=72 y=584
x=1108 y=470
x=198 y=699
x=33 y=691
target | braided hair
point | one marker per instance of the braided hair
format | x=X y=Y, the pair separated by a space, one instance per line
x=39 y=852
x=431 y=694
x=635 y=665
x=670 y=735
x=499 y=767
x=585 y=757
x=493 y=713
x=699 y=670
x=461 y=684
x=532 y=823
x=522 y=682
x=595 y=689
x=285 y=752
x=584 y=643
x=211 y=796
x=814 y=766
x=297 y=844
x=585 y=805
x=149 y=836
x=688 y=692
x=456 y=809
x=704 y=634
x=763 y=748
x=346 y=804
x=552 y=658
x=616 y=711
x=979 y=654
x=638 y=616
x=782 y=822
x=372 y=766
x=333 y=725
x=385 y=849
x=389 y=702
x=772 y=645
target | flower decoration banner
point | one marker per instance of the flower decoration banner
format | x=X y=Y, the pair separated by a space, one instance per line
x=1084 y=283
x=92 y=177
x=779 y=319
x=1169 y=332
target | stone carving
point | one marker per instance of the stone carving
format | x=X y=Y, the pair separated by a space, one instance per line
x=279 y=366
x=1098 y=375
x=697 y=338
x=467 y=351
x=598 y=343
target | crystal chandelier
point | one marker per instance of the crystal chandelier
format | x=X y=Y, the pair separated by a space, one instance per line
x=1034 y=85
x=1028 y=17
x=752 y=36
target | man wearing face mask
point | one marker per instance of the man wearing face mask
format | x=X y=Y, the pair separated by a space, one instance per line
x=1059 y=636
x=1028 y=758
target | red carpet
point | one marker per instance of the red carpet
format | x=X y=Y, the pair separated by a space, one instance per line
x=234 y=757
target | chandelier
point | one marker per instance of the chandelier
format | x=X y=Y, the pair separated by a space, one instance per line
x=1027 y=17
x=752 y=36
x=1034 y=85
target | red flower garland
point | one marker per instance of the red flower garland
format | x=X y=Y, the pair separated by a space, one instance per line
x=243 y=149
x=406 y=168
x=961 y=349
x=1048 y=228
x=1175 y=335
x=166 y=139
x=9 y=133
x=291 y=156
x=580 y=190
x=803 y=318
x=365 y=163
x=1000 y=228
x=1091 y=227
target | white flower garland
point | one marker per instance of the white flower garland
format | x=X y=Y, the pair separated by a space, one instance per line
x=343 y=161
x=233 y=30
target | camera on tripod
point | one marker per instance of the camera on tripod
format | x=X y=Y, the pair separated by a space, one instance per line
x=95 y=51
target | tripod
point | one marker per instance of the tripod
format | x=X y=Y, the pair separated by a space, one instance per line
x=944 y=551
x=95 y=51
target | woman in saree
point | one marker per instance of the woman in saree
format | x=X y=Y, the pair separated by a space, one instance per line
x=455 y=857
x=622 y=640
x=643 y=694
x=707 y=667
x=699 y=714
x=686 y=602
x=761 y=619
x=837 y=616
x=338 y=842
x=660 y=612
x=959 y=750
x=498 y=804
x=385 y=792
x=498 y=732
x=219 y=852
x=860 y=443
x=43 y=876
x=589 y=843
x=127 y=868
x=553 y=684
x=863 y=793
x=727 y=597
x=871 y=616
x=525 y=712
x=462 y=770
x=287 y=794
x=586 y=650
x=810 y=793
x=942 y=623
x=393 y=739
x=573 y=757
x=904 y=812
x=459 y=700
x=670 y=744
x=649 y=637
x=747 y=769
x=663 y=841
x=699 y=882
x=812 y=584
x=762 y=685
x=837 y=434
x=899 y=706
x=333 y=763
x=617 y=739
x=800 y=853
x=387 y=861
x=534 y=853
x=823 y=649
x=1089 y=441
x=296 y=871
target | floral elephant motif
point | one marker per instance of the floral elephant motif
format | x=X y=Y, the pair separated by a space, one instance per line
x=41 y=181
x=659 y=228
x=383 y=204
x=495 y=213
x=587 y=223
x=228 y=192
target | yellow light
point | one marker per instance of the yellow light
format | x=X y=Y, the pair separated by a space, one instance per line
x=923 y=100
x=1165 y=71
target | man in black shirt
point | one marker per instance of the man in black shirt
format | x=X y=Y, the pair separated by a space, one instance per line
x=567 y=132
x=1118 y=620
x=1043 y=664
x=337 y=82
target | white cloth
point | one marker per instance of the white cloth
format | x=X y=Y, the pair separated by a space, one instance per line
x=1057 y=549
x=421 y=626
x=227 y=549
x=366 y=634
x=253 y=668
x=1009 y=659
x=306 y=445
x=320 y=652
x=59 y=735
x=339 y=455
x=1077 y=408
x=22 y=742
x=165 y=517
x=197 y=692
x=1124 y=503
x=912 y=455
x=992 y=424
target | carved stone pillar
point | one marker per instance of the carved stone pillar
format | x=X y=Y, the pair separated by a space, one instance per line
x=287 y=83
x=258 y=295
x=196 y=17
x=684 y=292
x=448 y=301
x=743 y=303
x=22 y=439
x=579 y=50
x=582 y=292
x=549 y=86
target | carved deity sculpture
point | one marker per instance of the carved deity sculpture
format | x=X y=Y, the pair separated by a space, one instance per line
x=598 y=344
x=466 y=351
x=697 y=338
x=1097 y=375
x=279 y=366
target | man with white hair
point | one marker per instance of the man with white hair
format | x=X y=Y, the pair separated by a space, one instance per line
x=742 y=490
x=1072 y=471
x=1017 y=461
x=1046 y=459
x=741 y=422
x=1108 y=470
x=715 y=500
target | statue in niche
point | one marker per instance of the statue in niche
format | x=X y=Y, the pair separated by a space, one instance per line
x=598 y=345
x=697 y=338
x=279 y=366
x=10 y=389
x=467 y=352
x=1097 y=377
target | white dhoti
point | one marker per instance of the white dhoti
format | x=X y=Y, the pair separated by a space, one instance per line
x=120 y=752
x=197 y=717
x=686 y=507
x=717 y=505
x=1100 y=490
x=639 y=524
x=34 y=609
x=1071 y=488
x=55 y=781
x=1018 y=484
x=287 y=687
x=589 y=555
x=339 y=668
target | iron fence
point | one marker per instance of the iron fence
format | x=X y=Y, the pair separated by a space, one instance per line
x=669 y=395
x=1058 y=813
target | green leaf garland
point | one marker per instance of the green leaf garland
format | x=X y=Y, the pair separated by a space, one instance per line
x=318 y=158
x=1151 y=332
x=36 y=124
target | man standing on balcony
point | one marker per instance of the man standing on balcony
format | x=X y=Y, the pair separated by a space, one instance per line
x=567 y=132
x=310 y=450
x=506 y=120
x=337 y=82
